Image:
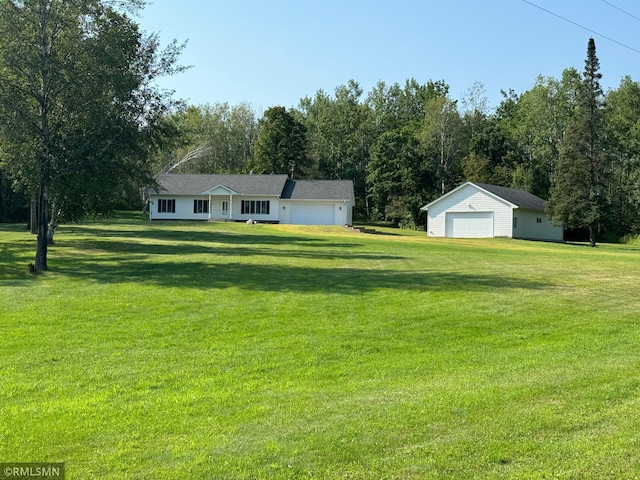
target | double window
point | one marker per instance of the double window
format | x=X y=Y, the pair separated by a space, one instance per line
x=166 y=205
x=201 y=206
x=260 y=207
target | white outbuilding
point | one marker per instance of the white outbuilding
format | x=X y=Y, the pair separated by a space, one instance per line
x=479 y=210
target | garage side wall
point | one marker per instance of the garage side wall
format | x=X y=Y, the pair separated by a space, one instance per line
x=533 y=225
x=470 y=199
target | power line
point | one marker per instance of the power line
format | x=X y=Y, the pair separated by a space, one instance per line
x=581 y=26
x=618 y=8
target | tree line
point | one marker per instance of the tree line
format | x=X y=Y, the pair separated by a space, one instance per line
x=83 y=130
x=564 y=140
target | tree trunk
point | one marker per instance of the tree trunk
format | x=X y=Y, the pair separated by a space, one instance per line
x=592 y=235
x=43 y=224
x=33 y=217
x=51 y=230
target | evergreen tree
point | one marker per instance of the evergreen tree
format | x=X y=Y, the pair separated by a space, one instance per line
x=578 y=197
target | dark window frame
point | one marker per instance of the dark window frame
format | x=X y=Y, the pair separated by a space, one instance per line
x=255 y=207
x=200 y=206
x=166 y=205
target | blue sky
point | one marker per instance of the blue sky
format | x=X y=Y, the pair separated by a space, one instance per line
x=276 y=52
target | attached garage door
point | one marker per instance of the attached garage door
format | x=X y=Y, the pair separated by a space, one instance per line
x=305 y=214
x=469 y=225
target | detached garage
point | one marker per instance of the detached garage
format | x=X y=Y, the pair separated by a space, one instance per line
x=469 y=224
x=478 y=210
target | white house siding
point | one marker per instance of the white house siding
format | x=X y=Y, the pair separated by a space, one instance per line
x=315 y=213
x=470 y=200
x=184 y=209
x=533 y=225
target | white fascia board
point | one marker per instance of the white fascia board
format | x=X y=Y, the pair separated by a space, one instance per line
x=426 y=207
x=223 y=187
x=492 y=195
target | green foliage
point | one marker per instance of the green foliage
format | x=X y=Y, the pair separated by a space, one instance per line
x=539 y=125
x=398 y=176
x=340 y=135
x=216 y=138
x=13 y=204
x=281 y=145
x=493 y=155
x=78 y=105
x=441 y=135
x=204 y=351
x=579 y=195
x=622 y=113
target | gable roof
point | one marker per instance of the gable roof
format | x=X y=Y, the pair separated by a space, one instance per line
x=521 y=198
x=518 y=198
x=197 y=184
x=259 y=185
x=318 y=190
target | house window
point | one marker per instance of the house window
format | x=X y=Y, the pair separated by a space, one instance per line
x=166 y=205
x=538 y=220
x=201 y=206
x=260 y=207
x=225 y=208
x=515 y=222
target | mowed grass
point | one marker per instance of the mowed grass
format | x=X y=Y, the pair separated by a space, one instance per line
x=233 y=351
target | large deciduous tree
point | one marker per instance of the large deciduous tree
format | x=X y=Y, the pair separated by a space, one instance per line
x=339 y=136
x=281 y=144
x=578 y=198
x=216 y=138
x=398 y=177
x=622 y=114
x=78 y=107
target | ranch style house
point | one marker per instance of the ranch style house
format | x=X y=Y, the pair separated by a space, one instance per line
x=261 y=198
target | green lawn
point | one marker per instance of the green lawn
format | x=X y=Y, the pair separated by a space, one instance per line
x=233 y=351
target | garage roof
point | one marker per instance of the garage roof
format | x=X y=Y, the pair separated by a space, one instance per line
x=318 y=190
x=518 y=198
x=521 y=198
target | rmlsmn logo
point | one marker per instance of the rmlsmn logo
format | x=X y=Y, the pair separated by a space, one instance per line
x=31 y=471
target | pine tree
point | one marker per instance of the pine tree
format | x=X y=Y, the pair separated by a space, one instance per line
x=578 y=197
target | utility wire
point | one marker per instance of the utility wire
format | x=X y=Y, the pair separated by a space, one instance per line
x=618 y=8
x=581 y=26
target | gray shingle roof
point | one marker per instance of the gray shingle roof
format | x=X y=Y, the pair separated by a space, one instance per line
x=196 y=184
x=267 y=185
x=521 y=198
x=318 y=190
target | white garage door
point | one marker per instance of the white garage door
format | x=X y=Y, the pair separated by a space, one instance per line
x=469 y=225
x=305 y=214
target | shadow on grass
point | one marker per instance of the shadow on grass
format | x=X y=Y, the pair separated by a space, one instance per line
x=310 y=250
x=162 y=258
x=179 y=234
x=281 y=278
x=15 y=257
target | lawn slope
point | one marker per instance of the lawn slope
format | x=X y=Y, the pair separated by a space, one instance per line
x=191 y=350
